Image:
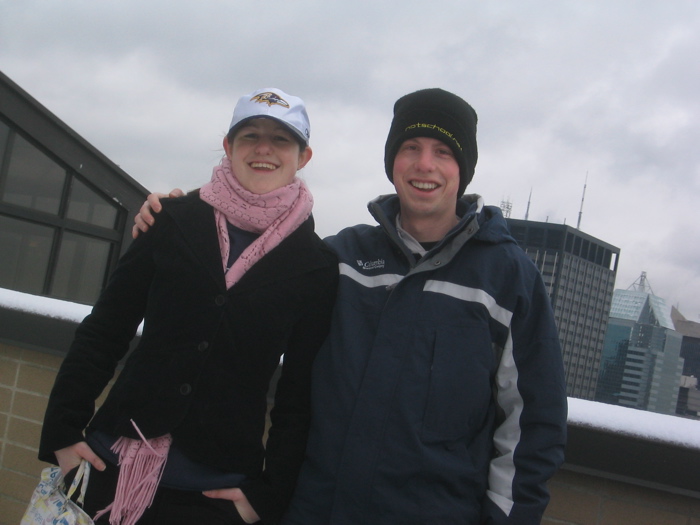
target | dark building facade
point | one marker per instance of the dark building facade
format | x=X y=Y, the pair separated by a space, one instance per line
x=689 y=395
x=65 y=208
x=579 y=272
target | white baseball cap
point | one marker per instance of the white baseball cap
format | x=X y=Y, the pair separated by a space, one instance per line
x=275 y=104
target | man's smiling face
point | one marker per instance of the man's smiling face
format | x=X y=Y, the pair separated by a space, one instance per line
x=426 y=177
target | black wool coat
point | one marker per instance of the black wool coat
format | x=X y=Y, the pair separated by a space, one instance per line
x=202 y=369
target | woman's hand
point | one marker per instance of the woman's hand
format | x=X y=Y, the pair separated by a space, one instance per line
x=144 y=219
x=239 y=500
x=70 y=457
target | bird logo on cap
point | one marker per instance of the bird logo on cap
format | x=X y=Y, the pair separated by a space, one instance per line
x=270 y=98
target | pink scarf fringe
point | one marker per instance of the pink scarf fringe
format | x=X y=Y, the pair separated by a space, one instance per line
x=274 y=215
x=141 y=464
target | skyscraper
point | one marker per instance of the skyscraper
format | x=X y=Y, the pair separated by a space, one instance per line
x=579 y=273
x=641 y=366
x=689 y=395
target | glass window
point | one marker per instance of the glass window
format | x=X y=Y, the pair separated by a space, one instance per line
x=80 y=269
x=569 y=243
x=33 y=179
x=555 y=239
x=4 y=133
x=518 y=233
x=536 y=237
x=60 y=243
x=26 y=248
x=585 y=248
x=87 y=206
x=577 y=246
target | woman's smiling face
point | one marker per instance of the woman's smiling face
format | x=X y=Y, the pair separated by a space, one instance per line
x=265 y=155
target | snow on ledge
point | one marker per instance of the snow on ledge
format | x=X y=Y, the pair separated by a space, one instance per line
x=54 y=308
x=635 y=423
x=619 y=420
x=45 y=306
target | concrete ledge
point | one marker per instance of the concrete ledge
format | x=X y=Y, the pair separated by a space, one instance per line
x=29 y=330
x=646 y=462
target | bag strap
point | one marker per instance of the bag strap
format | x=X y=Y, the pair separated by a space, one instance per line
x=84 y=484
x=82 y=474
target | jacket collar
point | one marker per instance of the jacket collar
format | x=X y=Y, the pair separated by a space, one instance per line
x=295 y=255
x=491 y=224
x=195 y=221
x=477 y=221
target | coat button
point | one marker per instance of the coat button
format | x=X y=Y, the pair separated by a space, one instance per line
x=202 y=346
x=220 y=300
x=185 y=389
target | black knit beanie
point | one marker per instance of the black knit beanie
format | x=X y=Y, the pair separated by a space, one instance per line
x=437 y=114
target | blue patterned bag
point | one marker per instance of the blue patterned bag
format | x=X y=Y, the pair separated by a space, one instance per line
x=51 y=505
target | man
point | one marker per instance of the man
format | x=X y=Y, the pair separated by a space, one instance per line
x=439 y=396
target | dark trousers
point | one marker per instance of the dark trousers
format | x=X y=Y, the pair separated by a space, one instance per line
x=170 y=506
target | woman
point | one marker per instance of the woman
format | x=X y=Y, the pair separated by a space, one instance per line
x=231 y=277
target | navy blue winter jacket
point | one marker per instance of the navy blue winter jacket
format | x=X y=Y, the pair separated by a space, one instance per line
x=439 y=396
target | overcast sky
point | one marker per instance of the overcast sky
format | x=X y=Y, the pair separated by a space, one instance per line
x=564 y=90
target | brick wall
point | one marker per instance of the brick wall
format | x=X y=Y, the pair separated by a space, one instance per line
x=25 y=380
x=26 y=377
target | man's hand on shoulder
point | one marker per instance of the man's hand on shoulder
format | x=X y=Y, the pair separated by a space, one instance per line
x=144 y=218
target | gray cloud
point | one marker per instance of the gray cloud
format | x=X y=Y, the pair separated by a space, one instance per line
x=562 y=89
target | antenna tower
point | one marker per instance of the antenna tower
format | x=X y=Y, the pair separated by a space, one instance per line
x=527 y=211
x=642 y=284
x=506 y=207
x=580 y=211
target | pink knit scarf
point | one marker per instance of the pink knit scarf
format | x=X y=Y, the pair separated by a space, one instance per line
x=274 y=215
